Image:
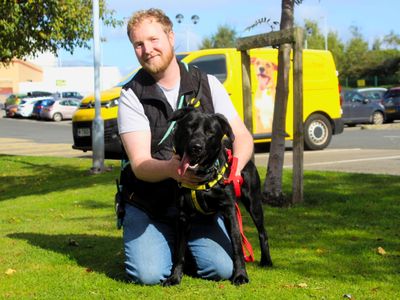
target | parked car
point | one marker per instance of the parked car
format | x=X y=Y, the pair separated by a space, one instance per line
x=25 y=108
x=74 y=95
x=11 y=110
x=391 y=103
x=11 y=104
x=39 y=94
x=373 y=94
x=60 y=110
x=39 y=105
x=358 y=109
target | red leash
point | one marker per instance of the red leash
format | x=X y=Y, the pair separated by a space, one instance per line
x=237 y=183
x=246 y=246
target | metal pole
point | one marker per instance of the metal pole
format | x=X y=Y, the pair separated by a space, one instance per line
x=326 y=32
x=187 y=38
x=98 y=122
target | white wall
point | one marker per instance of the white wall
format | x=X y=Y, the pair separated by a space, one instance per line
x=80 y=79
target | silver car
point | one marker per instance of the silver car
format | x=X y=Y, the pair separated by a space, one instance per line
x=61 y=109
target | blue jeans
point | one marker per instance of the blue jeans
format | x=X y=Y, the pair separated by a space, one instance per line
x=149 y=245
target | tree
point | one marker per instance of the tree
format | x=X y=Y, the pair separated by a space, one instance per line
x=336 y=46
x=314 y=37
x=31 y=27
x=392 y=40
x=273 y=193
x=355 y=52
x=224 y=38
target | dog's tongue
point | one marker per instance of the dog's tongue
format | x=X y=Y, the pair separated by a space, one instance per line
x=184 y=165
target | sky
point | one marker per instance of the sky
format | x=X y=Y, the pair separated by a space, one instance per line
x=374 y=19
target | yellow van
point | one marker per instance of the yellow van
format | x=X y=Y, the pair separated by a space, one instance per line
x=322 y=106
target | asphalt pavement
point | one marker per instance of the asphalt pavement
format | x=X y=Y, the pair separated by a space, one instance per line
x=347 y=152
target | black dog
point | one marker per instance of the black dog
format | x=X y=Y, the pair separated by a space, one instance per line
x=201 y=141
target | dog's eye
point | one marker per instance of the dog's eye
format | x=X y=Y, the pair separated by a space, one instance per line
x=209 y=132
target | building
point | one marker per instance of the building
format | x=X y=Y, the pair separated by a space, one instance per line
x=76 y=78
x=44 y=73
x=14 y=73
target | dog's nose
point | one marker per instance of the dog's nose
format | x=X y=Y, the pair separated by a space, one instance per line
x=196 y=148
x=262 y=69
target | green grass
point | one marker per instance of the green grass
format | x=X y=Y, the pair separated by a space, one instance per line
x=59 y=241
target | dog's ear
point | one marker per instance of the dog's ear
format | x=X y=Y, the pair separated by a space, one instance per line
x=226 y=128
x=180 y=113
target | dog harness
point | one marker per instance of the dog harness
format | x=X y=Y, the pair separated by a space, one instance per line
x=196 y=197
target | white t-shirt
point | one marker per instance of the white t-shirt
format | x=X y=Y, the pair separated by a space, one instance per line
x=131 y=116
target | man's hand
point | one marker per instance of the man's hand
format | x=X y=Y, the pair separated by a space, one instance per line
x=188 y=178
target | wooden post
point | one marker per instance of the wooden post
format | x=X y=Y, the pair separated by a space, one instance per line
x=246 y=85
x=298 y=128
x=246 y=91
x=294 y=36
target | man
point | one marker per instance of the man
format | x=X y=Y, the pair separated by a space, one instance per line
x=146 y=102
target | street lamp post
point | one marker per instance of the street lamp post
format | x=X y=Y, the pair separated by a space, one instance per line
x=98 y=122
x=195 y=19
x=326 y=32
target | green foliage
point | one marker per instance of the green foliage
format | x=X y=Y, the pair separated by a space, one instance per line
x=59 y=241
x=354 y=59
x=30 y=27
x=224 y=38
x=392 y=40
x=314 y=37
x=355 y=52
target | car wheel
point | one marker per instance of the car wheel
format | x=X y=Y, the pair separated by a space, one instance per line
x=317 y=132
x=377 y=118
x=57 y=117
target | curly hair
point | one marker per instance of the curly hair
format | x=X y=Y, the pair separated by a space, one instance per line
x=153 y=14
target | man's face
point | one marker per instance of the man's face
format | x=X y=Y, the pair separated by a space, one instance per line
x=153 y=47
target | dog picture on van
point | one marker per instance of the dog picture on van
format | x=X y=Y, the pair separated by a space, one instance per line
x=264 y=97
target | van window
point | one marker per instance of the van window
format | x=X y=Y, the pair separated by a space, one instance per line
x=212 y=64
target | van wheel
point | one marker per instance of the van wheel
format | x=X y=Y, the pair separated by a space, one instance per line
x=377 y=118
x=317 y=132
x=57 y=117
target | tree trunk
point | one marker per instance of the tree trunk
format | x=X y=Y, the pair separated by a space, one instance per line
x=273 y=193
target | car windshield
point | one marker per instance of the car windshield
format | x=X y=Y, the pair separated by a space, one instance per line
x=47 y=102
x=393 y=93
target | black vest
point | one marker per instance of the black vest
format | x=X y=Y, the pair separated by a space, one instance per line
x=156 y=198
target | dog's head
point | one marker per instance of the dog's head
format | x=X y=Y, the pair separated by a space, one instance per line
x=264 y=72
x=198 y=137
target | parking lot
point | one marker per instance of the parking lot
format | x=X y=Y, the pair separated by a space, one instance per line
x=374 y=149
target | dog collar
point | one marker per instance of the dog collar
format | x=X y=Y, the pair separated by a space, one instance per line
x=207 y=185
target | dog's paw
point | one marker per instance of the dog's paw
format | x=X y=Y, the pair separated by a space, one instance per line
x=266 y=262
x=172 y=280
x=240 y=278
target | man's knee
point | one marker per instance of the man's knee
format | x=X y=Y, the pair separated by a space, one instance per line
x=216 y=268
x=146 y=276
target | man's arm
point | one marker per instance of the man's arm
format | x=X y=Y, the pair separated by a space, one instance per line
x=243 y=145
x=137 y=146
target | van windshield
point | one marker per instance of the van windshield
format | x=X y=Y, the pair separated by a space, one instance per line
x=212 y=64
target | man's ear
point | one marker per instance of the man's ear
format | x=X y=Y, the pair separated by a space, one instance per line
x=171 y=38
x=226 y=127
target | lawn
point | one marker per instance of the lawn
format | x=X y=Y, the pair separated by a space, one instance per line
x=58 y=238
